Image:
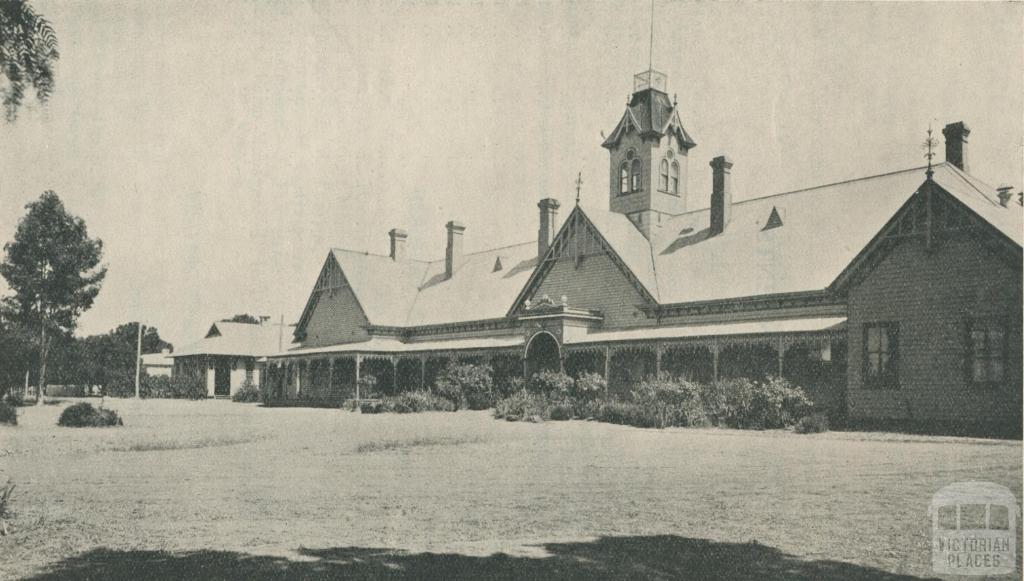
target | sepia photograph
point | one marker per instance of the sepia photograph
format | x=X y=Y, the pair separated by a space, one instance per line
x=524 y=290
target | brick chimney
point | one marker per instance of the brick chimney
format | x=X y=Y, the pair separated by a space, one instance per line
x=956 y=144
x=548 y=218
x=721 y=193
x=1005 y=194
x=398 y=237
x=454 y=251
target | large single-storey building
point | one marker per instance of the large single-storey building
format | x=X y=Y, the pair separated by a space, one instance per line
x=890 y=297
x=228 y=356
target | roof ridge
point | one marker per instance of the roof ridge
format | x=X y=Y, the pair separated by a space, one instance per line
x=375 y=255
x=416 y=295
x=818 y=187
x=964 y=176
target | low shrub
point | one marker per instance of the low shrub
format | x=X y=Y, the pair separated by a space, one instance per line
x=5 y=506
x=84 y=415
x=508 y=386
x=247 y=393
x=8 y=414
x=560 y=411
x=466 y=384
x=15 y=399
x=758 y=405
x=812 y=424
x=675 y=402
x=589 y=386
x=628 y=414
x=161 y=386
x=521 y=405
x=415 y=402
x=551 y=384
x=371 y=407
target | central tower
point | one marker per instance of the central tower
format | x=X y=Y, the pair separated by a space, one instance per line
x=648 y=153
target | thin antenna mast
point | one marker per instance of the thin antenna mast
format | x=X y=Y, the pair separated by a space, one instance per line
x=650 y=55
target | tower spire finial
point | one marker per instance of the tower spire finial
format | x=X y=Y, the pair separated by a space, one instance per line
x=929 y=147
x=579 y=185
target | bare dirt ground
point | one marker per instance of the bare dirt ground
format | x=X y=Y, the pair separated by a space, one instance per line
x=219 y=490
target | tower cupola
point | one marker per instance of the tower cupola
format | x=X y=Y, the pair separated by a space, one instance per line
x=648 y=153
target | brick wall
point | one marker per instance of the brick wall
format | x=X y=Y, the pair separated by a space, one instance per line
x=932 y=295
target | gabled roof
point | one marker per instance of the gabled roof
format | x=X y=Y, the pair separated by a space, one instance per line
x=409 y=293
x=241 y=339
x=816 y=242
x=650 y=111
x=157 y=360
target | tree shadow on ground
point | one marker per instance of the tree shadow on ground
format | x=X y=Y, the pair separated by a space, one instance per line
x=637 y=557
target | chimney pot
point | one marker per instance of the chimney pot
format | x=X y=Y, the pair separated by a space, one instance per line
x=956 y=144
x=398 y=237
x=1005 y=194
x=721 y=193
x=454 y=250
x=548 y=218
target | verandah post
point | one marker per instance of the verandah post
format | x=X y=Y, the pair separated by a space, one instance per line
x=359 y=360
x=714 y=360
x=607 y=368
x=782 y=353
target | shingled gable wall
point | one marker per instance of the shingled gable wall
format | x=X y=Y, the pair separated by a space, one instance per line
x=931 y=295
x=596 y=284
x=336 y=316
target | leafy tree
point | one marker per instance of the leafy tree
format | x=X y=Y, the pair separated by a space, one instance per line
x=28 y=52
x=54 y=269
x=16 y=350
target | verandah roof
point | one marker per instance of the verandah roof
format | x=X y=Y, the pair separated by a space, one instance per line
x=802 y=325
x=395 y=346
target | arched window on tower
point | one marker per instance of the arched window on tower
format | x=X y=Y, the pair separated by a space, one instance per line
x=636 y=175
x=624 y=178
x=664 y=175
x=675 y=178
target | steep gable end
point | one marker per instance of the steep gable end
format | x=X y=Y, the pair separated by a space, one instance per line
x=333 y=313
x=582 y=265
x=931 y=217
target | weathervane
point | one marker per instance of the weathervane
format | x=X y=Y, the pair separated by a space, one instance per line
x=929 y=147
x=579 y=184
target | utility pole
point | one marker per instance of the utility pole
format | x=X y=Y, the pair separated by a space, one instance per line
x=138 y=360
x=280 y=335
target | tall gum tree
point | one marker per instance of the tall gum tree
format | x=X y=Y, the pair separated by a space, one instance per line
x=54 y=269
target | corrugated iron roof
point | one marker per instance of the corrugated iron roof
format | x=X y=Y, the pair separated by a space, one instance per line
x=680 y=263
x=818 y=239
x=394 y=345
x=411 y=293
x=798 y=325
x=240 y=339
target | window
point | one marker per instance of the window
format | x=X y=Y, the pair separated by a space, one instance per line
x=248 y=371
x=624 y=179
x=675 y=178
x=664 y=175
x=881 y=355
x=636 y=175
x=986 y=353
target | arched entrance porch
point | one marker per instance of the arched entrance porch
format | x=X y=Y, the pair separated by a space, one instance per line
x=542 y=354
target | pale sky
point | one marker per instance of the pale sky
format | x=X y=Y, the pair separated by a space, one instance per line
x=220 y=149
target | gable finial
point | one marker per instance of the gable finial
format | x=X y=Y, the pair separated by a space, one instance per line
x=579 y=184
x=929 y=147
